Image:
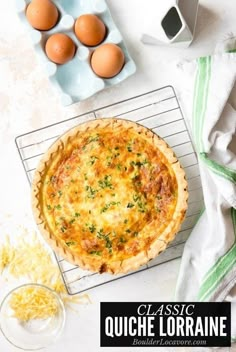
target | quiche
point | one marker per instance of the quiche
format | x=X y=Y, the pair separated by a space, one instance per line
x=109 y=195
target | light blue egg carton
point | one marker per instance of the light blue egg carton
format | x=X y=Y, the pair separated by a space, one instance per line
x=75 y=80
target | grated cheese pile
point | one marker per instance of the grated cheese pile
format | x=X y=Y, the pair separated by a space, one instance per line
x=29 y=260
x=33 y=303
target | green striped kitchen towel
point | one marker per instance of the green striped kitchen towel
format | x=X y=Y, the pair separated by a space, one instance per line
x=208 y=267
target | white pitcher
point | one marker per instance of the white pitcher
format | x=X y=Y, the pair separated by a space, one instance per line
x=170 y=22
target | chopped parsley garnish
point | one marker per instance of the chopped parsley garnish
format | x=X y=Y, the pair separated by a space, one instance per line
x=122 y=240
x=136 y=163
x=136 y=197
x=58 y=207
x=77 y=215
x=72 y=221
x=92 y=160
x=109 y=160
x=128 y=230
x=158 y=209
x=139 y=154
x=91 y=192
x=63 y=228
x=159 y=197
x=135 y=177
x=118 y=166
x=68 y=167
x=105 y=237
x=145 y=161
x=106 y=182
x=93 y=138
x=91 y=227
x=129 y=146
x=108 y=205
x=116 y=148
x=96 y=252
x=142 y=208
x=125 y=221
x=59 y=193
x=109 y=244
x=49 y=207
x=130 y=205
x=104 y=209
x=71 y=243
x=135 y=234
x=139 y=163
x=100 y=234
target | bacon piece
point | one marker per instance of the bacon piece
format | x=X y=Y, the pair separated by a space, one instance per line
x=89 y=244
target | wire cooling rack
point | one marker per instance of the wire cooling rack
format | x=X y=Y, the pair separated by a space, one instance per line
x=158 y=110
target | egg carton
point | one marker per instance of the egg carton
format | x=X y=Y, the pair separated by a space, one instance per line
x=75 y=80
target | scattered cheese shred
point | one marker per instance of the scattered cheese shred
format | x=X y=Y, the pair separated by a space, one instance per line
x=28 y=259
x=7 y=254
x=33 y=303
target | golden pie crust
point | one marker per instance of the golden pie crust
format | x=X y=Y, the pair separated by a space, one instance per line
x=109 y=195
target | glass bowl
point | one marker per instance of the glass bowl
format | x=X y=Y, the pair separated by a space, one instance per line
x=33 y=334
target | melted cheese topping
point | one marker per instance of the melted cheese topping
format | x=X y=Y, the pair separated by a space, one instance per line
x=106 y=192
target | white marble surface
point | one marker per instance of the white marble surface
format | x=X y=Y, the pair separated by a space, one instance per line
x=27 y=101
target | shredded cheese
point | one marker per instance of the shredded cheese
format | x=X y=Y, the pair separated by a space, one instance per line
x=34 y=261
x=29 y=260
x=33 y=303
x=6 y=254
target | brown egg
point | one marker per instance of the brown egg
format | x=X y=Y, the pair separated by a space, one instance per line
x=90 y=30
x=107 y=60
x=42 y=14
x=60 y=48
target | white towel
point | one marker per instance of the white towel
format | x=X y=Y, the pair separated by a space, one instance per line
x=208 y=267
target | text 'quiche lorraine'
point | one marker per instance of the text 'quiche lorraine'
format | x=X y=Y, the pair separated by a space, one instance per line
x=109 y=195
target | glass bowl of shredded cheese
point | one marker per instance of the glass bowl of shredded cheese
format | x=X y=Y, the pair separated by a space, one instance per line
x=32 y=316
